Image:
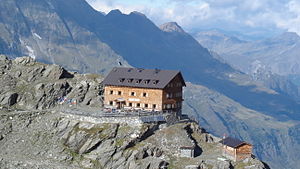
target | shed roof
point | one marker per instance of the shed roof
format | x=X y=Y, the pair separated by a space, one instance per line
x=233 y=142
x=143 y=78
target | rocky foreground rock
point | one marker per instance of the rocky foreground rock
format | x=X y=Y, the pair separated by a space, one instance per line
x=34 y=133
x=27 y=84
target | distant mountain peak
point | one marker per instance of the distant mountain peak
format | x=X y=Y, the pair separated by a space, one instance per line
x=171 y=27
x=137 y=13
x=115 y=12
x=287 y=38
x=293 y=34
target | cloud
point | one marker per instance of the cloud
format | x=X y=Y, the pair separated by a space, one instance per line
x=292 y=21
x=264 y=17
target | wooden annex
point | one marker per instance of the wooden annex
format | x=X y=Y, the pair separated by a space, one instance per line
x=145 y=89
x=235 y=149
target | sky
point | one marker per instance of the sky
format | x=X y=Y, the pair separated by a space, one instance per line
x=251 y=18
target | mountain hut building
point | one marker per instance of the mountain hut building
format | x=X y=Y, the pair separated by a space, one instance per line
x=144 y=89
x=235 y=149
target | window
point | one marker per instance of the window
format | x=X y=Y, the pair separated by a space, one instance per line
x=138 y=105
x=137 y=81
x=155 y=82
x=132 y=93
x=130 y=104
x=145 y=95
x=178 y=94
x=164 y=106
x=119 y=93
x=121 y=80
x=111 y=92
x=111 y=103
x=169 y=95
x=173 y=106
x=169 y=106
x=146 y=105
x=154 y=106
x=146 y=81
x=129 y=80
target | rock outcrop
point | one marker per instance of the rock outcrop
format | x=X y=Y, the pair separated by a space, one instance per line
x=50 y=140
x=27 y=84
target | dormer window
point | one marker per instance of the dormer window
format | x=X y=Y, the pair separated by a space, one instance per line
x=121 y=80
x=146 y=81
x=129 y=80
x=137 y=81
x=155 y=82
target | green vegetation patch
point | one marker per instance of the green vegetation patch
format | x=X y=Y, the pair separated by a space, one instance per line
x=94 y=130
x=124 y=129
x=241 y=165
x=120 y=142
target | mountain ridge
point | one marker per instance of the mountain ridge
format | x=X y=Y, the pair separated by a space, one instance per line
x=276 y=52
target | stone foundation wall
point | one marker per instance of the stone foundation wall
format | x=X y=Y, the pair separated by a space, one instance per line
x=132 y=120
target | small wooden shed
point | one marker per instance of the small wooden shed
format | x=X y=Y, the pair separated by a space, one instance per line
x=235 y=149
x=187 y=151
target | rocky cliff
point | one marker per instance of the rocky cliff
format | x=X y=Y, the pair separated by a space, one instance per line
x=35 y=133
x=27 y=84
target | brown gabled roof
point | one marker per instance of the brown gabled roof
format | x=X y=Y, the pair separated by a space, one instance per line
x=233 y=142
x=142 y=78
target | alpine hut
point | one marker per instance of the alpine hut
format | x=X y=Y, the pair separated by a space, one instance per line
x=147 y=89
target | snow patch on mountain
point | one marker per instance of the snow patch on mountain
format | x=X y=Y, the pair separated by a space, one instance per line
x=38 y=36
x=30 y=52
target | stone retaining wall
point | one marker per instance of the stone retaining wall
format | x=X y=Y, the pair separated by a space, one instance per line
x=128 y=120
